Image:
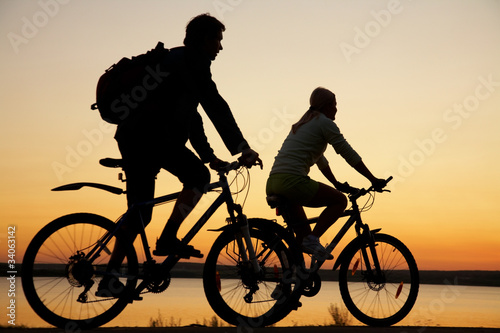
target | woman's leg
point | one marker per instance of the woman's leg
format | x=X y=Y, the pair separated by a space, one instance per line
x=335 y=202
x=298 y=219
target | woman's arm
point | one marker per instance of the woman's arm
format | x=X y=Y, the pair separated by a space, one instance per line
x=327 y=172
x=362 y=169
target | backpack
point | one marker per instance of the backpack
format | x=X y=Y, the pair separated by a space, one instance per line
x=124 y=85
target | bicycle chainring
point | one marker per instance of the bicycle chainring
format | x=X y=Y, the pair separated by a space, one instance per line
x=312 y=285
x=158 y=285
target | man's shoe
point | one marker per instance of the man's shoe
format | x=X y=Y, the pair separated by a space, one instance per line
x=165 y=248
x=110 y=286
x=311 y=245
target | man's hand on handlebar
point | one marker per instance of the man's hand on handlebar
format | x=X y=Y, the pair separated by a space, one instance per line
x=249 y=158
x=345 y=188
x=216 y=164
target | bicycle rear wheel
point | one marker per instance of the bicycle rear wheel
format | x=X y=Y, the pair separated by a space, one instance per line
x=379 y=300
x=60 y=280
x=241 y=296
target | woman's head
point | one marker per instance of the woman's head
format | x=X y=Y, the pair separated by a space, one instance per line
x=323 y=101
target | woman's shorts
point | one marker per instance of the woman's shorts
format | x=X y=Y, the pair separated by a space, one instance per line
x=298 y=189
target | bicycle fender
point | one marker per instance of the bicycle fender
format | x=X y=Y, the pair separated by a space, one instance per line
x=77 y=186
x=264 y=224
x=272 y=226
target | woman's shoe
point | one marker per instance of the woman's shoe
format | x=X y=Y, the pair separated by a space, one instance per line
x=311 y=245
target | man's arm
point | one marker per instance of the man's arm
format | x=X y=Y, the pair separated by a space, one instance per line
x=199 y=140
x=221 y=116
x=217 y=108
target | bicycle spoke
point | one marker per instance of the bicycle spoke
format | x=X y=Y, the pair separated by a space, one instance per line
x=246 y=295
x=60 y=283
x=385 y=297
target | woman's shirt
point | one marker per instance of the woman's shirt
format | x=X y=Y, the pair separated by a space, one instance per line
x=306 y=147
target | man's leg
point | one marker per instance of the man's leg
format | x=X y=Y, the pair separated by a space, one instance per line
x=140 y=188
x=187 y=200
x=195 y=176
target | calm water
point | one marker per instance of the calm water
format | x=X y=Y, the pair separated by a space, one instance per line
x=184 y=301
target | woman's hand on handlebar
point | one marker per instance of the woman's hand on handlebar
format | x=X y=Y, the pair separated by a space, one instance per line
x=378 y=184
x=249 y=158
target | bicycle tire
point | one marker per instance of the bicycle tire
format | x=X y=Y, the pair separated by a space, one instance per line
x=54 y=273
x=227 y=281
x=387 y=301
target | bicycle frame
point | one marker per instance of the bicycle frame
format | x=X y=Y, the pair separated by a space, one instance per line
x=170 y=261
x=362 y=230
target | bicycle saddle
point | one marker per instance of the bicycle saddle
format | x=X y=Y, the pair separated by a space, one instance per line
x=111 y=162
x=275 y=200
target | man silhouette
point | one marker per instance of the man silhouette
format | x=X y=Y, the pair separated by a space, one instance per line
x=155 y=136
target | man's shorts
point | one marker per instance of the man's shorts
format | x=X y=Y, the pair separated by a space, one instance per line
x=295 y=188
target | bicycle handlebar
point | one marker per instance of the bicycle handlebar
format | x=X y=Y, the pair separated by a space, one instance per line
x=356 y=193
x=230 y=166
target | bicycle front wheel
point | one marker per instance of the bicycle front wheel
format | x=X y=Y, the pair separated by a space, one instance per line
x=60 y=278
x=379 y=299
x=241 y=296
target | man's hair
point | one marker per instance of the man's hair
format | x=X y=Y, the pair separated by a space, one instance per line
x=201 y=27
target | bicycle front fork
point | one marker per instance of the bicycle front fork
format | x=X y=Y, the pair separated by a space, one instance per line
x=371 y=258
x=245 y=244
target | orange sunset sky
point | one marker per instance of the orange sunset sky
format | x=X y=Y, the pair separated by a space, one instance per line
x=417 y=85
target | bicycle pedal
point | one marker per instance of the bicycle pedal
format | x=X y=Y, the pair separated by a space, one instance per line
x=197 y=255
x=189 y=255
x=135 y=298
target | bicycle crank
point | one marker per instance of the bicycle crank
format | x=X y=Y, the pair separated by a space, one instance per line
x=312 y=285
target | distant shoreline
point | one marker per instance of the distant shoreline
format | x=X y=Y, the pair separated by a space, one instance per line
x=461 y=277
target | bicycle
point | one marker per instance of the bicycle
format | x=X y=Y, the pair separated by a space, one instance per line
x=378 y=276
x=243 y=276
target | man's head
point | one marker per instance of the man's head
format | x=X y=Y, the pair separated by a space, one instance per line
x=204 y=33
